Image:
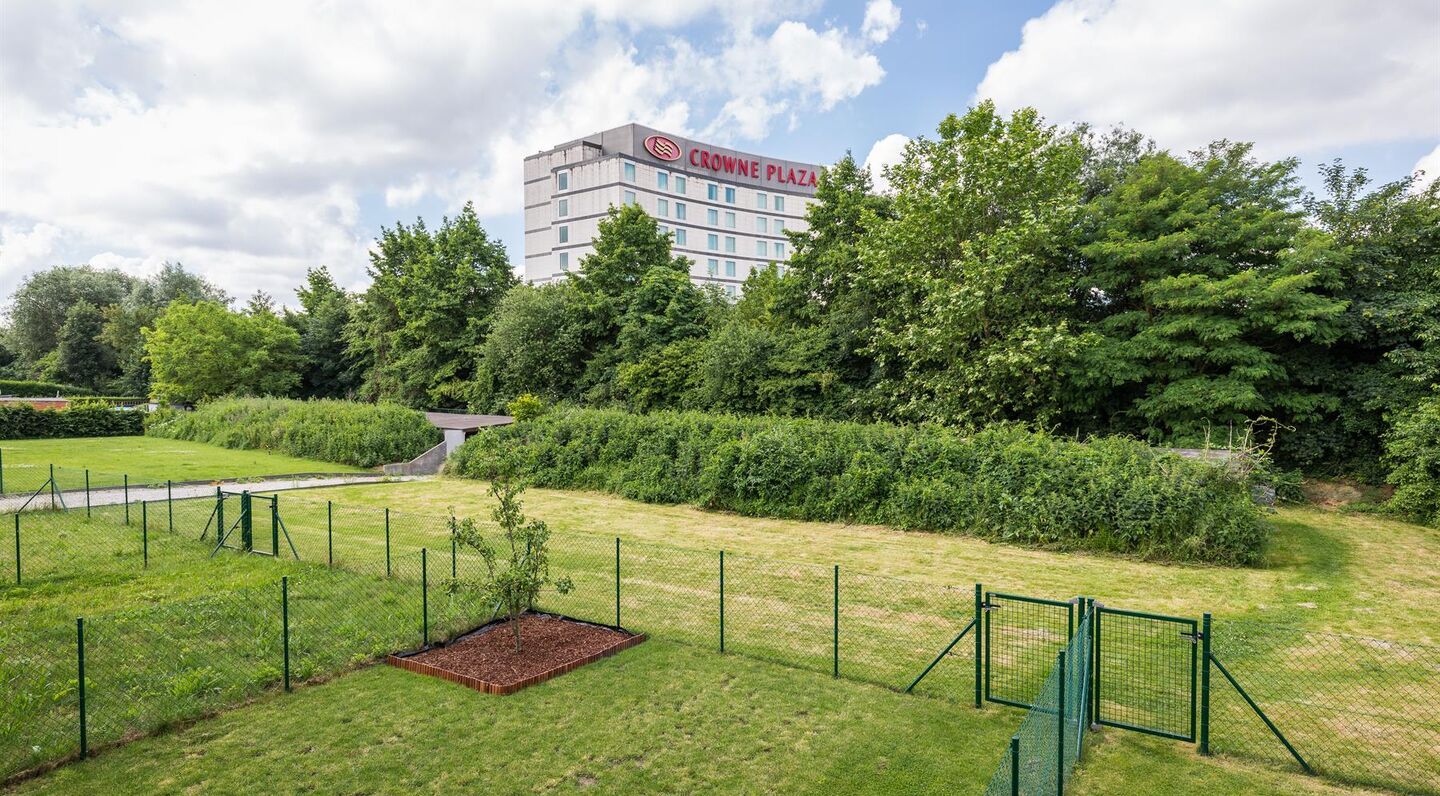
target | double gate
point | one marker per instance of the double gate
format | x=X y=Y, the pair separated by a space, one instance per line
x=1144 y=666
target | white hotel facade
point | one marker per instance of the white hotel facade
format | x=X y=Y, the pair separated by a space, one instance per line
x=726 y=211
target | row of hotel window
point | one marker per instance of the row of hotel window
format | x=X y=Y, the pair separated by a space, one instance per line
x=712 y=266
x=663 y=181
x=712 y=241
x=763 y=225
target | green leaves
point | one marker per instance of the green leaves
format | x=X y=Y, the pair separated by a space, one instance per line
x=203 y=350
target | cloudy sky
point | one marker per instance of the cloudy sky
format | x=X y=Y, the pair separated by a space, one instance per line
x=253 y=140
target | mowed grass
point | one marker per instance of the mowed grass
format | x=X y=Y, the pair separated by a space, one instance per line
x=658 y=718
x=152 y=459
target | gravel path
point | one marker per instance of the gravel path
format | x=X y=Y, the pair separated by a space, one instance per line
x=107 y=496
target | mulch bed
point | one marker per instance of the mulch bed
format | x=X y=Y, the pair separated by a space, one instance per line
x=550 y=645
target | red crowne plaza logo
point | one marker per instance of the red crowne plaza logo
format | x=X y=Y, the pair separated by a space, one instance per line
x=662 y=147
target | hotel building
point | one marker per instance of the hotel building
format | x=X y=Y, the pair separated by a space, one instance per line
x=726 y=211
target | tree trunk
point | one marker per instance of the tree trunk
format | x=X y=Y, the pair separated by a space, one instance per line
x=515 y=628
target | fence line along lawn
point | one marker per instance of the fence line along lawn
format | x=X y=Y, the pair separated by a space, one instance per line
x=147 y=459
x=1345 y=573
x=659 y=718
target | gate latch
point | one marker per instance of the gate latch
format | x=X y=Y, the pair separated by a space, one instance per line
x=1194 y=637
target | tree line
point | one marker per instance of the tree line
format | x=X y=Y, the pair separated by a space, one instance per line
x=1080 y=281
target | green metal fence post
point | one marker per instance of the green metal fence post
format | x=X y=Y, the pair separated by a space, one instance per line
x=978 y=644
x=1205 y=685
x=1060 y=730
x=329 y=535
x=387 y=541
x=285 y=625
x=275 y=525
x=80 y=654
x=722 y=600
x=169 y=507
x=17 y=548
x=219 y=514
x=87 y=493
x=617 y=581
x=835 y=636
x=145 y=532
x=1014 y=765
x=126 y=478
x=2 y=471
x=424 y=599
x=52 y=486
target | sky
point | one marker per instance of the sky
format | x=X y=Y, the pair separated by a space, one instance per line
x=251 y=141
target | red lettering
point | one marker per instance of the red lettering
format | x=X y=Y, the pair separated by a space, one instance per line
x=744 y=166
x=791 y=176
x=729 y=163
x=755 y=169
x=770 y=171
x=812 y=179
x=695 y=157
x=802 y=176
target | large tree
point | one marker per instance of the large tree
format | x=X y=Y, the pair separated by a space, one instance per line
x=82 y=358
x=202 y=350
x=325 y=310
x=44 y=298
x=419 y=329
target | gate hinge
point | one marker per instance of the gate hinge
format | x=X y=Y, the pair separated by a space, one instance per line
x=1195 y=637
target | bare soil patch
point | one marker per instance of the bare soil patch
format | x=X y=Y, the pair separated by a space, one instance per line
x=485 y=659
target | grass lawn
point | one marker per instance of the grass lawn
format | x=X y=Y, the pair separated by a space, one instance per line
x=659 y=718
x=149 y=459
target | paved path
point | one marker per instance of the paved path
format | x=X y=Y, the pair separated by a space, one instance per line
x=108 y=496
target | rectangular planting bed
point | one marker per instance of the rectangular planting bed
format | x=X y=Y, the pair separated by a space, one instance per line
x=485 y=658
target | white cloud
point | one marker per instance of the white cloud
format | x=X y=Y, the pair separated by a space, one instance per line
x=1428 y=167
x=882 y=17
x=885 y=152
x=1295 y=76
x=244 y=139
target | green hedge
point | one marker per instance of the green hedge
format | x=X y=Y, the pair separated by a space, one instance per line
x=347 y=432
x=23 y=421
x=1111 y=494
x=1413 y=451
x=40 y=389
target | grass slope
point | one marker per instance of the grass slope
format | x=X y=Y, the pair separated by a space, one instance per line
x=156 y=459
x=660 y=718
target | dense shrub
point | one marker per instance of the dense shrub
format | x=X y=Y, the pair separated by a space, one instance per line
x=348 y=432
x=1005 y=483
x=23 y=421
x=40 y=389
x=1413 y=449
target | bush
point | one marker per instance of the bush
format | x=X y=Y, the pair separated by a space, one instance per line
x=1005 y=483
x=1413 y=451
x=23 y=421
x=40 y=389
x=346 y=432
x=525 y=407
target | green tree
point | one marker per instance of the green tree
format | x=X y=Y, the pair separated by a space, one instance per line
x=972 y=276
x=515 y=576
x=326 y=310
x=417 y=334
x=1200 y=277
x=536 y=345
x=202 y=350
x=138 y=310
x=82 y=358
x=41 y=303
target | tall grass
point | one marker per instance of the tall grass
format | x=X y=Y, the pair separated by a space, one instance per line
x=347 y=432
x=1109 y=494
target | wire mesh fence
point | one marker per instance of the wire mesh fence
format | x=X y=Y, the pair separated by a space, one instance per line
x=363 y=581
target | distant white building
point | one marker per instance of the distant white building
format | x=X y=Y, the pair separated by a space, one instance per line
x=727 y=211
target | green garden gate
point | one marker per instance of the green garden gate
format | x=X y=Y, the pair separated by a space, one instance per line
x=1022 y=635
x=1145 y=672
x=240 y=533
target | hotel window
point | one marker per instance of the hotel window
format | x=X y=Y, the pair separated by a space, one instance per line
x=730 y=291
x=664 y=230
x=712 y=267
x=712 y=242
x=712 y=217
x=662 y=208
x=679 y=184
x=564 y=261
x=760 y=201
x=712 y=192
x=679 y=237
x=662 y=180
x=729 y=196
x=730 y=220
x=779 y=204
x=564 y=208
x=779 y=251
x=762 y=226
x=629 y=172
x=729 y=243
x=780 y=269
x=779 y=225
x=562 y=180
x=630 y=198
x=729 y=267
x=760 y=248
x=680 y=210
x=564 y=234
